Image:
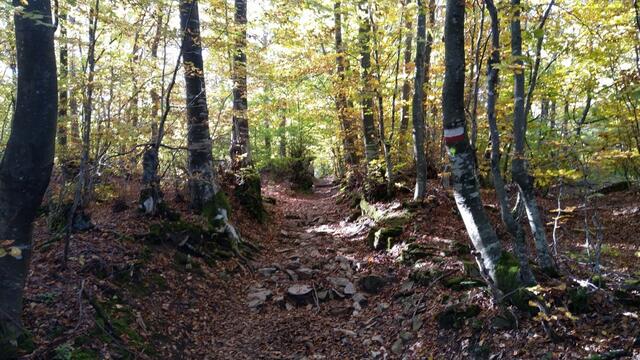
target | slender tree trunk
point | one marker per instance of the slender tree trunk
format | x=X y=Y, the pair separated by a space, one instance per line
x=514 y=227
x=406 y=86
x=63 y=94
x=371 y=150
x=538 y=58
x=342 y=102
x=518 y=164
x=150 y=194
x=282 y=130
x=240 y=143
x=26 y=165
x=465 y=187
x=384 y=142
x=418 y=105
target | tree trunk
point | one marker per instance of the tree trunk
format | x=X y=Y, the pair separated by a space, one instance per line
x=418 y=105
x=282 y=130
x=240 y=144
x=406 y=86
x=63 y=94
x=342 y=103
x=514 y=227
x=465 y=187
x=26 y=166
x=201 y=177
x=364 y=36
x=518 y=164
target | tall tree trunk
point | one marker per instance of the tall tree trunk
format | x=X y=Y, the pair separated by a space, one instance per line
x=63 y=94
x=201 y=176
x=465 y=186
x=418 y=105
x=342 y=103
x=406 y=86
x=371 y=150
x=240 y=144
x=518 y=164
x=514 y=227
x=150 y=193
x=202 y=183
x=26 y=165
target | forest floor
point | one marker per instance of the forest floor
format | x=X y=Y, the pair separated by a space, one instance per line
x=121 y=297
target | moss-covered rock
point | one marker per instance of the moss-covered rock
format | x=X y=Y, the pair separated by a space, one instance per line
x=383 y=238
x=416 y=252
x=423 y=277
x=455 y=316
x=509 y=282
x=248 y=191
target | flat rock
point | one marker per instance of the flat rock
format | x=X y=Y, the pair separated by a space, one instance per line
x=305 y=273
x=267 y=271
x=300 y=294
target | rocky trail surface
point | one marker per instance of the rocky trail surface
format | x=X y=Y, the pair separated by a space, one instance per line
x=308 y=295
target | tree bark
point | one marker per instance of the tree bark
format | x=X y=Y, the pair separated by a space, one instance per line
x=240 y=144
x=26 y=166
x=514 y=227
x=63 y=94
x=342 y=103
x=465 y=187
x=518 y=164
x=406 y=86
x=418 y=105
x=371 y=150
x=201 y=176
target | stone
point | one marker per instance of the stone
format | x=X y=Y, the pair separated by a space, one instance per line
x=360 y=298
x=350 y=289
x=292 y=274
x=372 y=284
x=454 y=316
x=262 y=294
x=382 y=307
x=383 y=238
x=322 y=295
x=416 y=324
x=300 y=294
x=406 y=336
x=255 y=303
x=305 y=273
x=397 y=347
x=378 y=339
x=294 y=265
x=406 y=289
x=267 y=271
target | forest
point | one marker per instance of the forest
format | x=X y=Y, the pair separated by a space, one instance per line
x=319 y=179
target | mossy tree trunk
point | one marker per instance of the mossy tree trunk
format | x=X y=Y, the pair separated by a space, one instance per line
x=26 y=166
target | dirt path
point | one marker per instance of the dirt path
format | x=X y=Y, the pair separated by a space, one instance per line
x=311 y=249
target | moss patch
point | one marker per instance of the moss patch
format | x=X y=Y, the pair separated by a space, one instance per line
x=248 y=191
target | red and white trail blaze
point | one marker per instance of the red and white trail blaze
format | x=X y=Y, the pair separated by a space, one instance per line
x=452 y=136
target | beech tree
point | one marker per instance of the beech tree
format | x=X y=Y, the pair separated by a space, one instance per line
x=240 y=144
x=513 y=226
x=342 y=101
x=371 y=148
x=518 y=165
x=28 y=159
x=418 y=101
x=461 y=157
